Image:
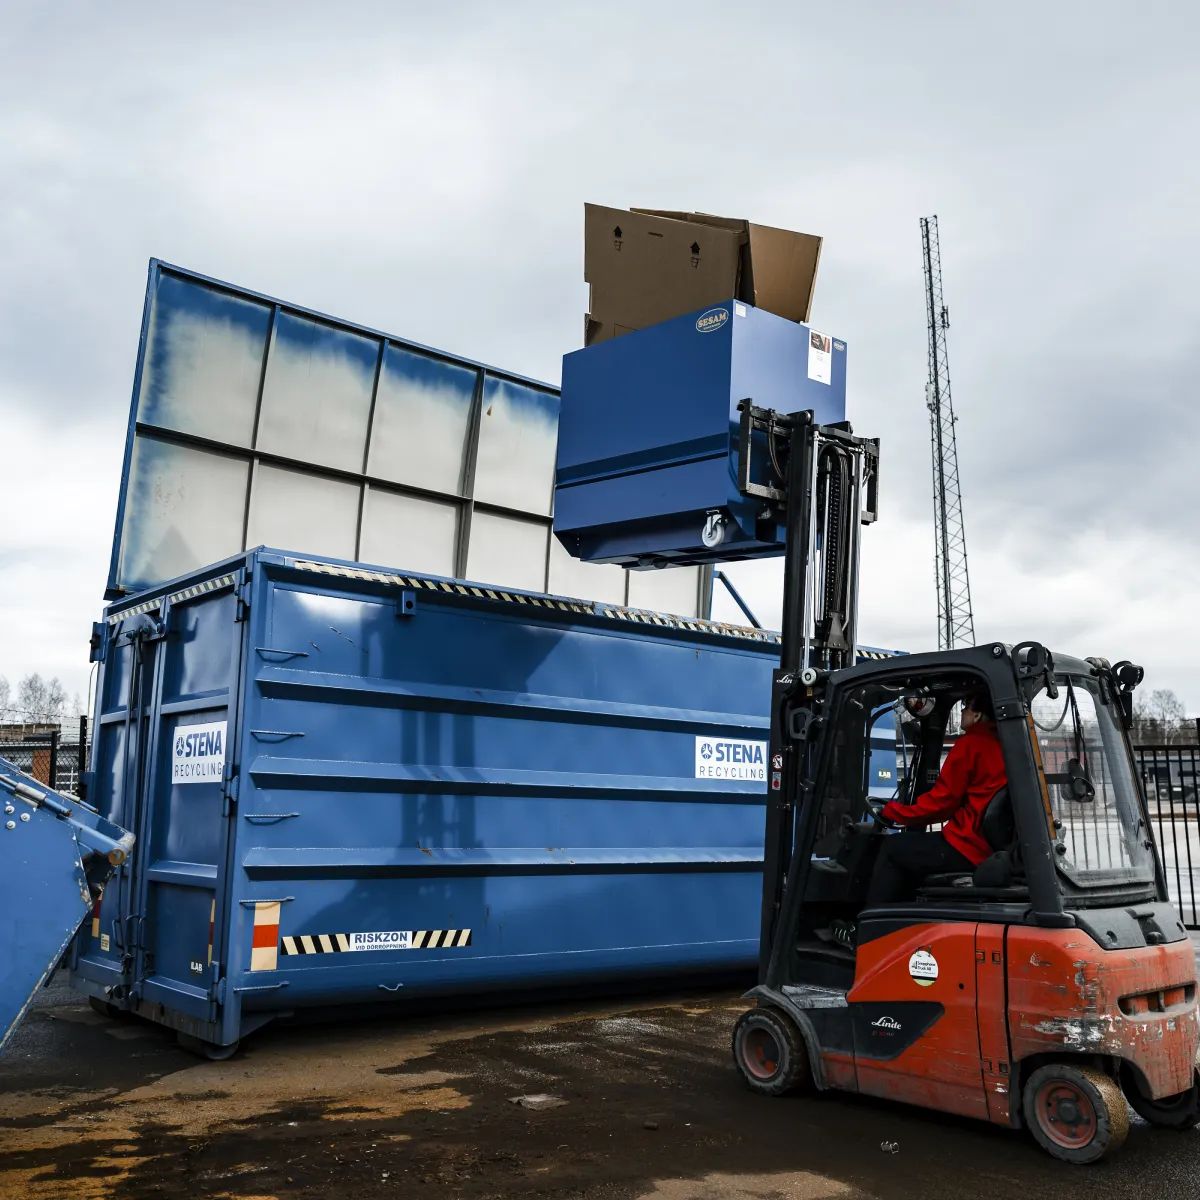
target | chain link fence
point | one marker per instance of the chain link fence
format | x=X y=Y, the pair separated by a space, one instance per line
x=53 y=755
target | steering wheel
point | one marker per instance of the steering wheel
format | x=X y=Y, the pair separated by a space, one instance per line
x=873 y=824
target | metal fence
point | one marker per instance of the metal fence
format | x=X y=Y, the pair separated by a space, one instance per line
x=1171 y=779
x=49 y=756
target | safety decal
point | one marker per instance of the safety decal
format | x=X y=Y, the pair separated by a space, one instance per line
x=923 y=968
x=395 y=939
x=264 y=948
x=819 y=356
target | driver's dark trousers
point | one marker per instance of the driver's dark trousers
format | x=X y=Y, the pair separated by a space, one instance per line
x=906 y=860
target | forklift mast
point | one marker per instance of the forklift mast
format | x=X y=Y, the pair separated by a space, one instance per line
x=827 y=482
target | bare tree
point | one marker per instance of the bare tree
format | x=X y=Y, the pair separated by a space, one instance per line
x=42 y=700
x=1158 y=719
x=31 y=696
x=5 y=697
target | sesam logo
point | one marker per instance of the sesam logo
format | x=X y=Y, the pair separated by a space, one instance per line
x=728 y=758
x=712 y=320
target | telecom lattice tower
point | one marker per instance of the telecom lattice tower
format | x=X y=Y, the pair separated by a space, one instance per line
x=956 y=622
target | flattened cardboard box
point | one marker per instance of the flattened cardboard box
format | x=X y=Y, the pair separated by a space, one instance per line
x=649 y=265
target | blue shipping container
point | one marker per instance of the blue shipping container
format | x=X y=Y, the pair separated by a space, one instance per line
x=352 y=784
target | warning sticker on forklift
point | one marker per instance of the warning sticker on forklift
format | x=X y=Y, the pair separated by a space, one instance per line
x=923 y=968
x=727 y=758
x=198 y=753
x=820 y=356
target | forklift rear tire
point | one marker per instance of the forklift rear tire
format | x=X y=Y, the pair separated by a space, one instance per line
x=1180 y=1112
x=769 y=1052
x=1076 y=1114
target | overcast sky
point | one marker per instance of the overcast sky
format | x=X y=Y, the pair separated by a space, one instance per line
x=423 y=169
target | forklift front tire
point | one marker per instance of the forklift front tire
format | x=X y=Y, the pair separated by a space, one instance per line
x=1076 y=1114
x=769 y=1052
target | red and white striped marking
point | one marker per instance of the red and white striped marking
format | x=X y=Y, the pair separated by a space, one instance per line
x=212 y=927
x=264 y=948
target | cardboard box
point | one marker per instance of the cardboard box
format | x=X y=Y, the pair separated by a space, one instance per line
x=649 y=265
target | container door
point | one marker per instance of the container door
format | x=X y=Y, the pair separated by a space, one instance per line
x=105 y=946
x=185 y=836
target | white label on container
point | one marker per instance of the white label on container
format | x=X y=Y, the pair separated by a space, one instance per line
x=820 y=356
x=397 y=939
x=923 y=968
x=198 y=753
x=726 y=758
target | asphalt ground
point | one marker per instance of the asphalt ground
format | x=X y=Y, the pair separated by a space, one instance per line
x=644 y=1103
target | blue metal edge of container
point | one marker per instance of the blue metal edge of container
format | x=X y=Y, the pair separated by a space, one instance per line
x=354 y=784
x=58 y=852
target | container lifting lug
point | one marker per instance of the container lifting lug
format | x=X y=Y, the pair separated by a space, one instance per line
x=243 y=602
x=98 y=642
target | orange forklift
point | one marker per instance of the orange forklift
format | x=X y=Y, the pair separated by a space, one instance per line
x=1045 y=988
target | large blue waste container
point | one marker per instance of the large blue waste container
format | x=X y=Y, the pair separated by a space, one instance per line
x=356 y=785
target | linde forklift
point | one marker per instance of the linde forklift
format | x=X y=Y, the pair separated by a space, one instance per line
x=1041 y=990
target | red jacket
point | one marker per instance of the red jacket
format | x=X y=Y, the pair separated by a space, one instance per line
x=971 y=775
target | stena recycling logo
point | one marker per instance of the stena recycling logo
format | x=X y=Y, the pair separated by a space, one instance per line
x=729 y=758
x=198 y=753
x=714 y=319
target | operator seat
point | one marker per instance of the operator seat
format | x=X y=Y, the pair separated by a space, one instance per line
x=996 y=873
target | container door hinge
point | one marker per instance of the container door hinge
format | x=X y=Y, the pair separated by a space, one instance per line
x=217 y=990
x=230 y=794
x=243 y=602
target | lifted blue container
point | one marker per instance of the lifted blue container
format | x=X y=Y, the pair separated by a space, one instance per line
x=649 y=429
x=56 y=854
x=355 y=785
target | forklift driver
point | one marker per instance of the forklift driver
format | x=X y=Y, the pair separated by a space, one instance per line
x=971 y=775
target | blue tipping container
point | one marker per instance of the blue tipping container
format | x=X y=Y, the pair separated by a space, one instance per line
x=355 y=785
x=56 y=854
x=648 y=433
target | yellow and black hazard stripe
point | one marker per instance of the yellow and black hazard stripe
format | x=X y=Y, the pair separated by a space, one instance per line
x=611 y=612
x=188 y=593
x=339 y=943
